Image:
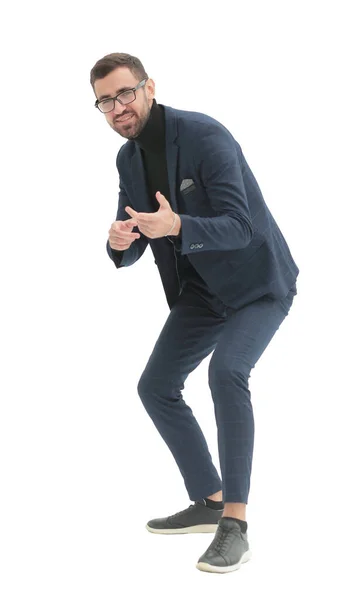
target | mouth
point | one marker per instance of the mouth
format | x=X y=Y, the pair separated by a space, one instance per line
x=124 y=119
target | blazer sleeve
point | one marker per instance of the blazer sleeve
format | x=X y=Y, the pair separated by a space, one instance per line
x=218 y=162
x=126 y=258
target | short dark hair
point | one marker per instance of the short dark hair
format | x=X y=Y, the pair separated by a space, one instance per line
x=110 y=62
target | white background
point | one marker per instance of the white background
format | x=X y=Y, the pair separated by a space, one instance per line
x=82 y=465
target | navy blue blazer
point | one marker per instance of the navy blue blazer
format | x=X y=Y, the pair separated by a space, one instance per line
x=227 y=230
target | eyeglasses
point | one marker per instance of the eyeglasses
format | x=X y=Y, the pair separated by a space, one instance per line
x=125 y=97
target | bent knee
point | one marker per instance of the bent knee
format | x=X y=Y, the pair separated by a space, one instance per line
x=144 y=386
x=224 y=374
x=150 y=387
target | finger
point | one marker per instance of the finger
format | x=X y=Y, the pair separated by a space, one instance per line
x=125 y=235
x=130 y=223
x=122 y=227
x=120 y=246
x=161 y=199
x=131 y=212
x=126 y=225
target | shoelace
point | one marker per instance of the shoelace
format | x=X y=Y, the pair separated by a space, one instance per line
x=183 y=511
x=221 y=538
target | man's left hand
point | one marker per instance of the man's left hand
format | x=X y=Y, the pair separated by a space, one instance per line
x=156 y=225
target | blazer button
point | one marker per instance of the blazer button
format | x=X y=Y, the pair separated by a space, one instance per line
x=192 y=246
x=201 y=246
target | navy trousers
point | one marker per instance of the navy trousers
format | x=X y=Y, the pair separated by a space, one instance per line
x=197 y=325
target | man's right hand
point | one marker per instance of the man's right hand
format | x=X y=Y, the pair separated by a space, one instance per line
x=121 y=236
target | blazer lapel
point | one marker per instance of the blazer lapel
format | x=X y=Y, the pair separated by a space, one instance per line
x=172 y=150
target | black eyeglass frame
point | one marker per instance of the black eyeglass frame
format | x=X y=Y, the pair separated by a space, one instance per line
x=134 y=89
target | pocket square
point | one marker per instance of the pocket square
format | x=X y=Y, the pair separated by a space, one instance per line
x=185 y=184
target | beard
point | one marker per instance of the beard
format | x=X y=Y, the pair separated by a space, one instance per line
x=134 y=127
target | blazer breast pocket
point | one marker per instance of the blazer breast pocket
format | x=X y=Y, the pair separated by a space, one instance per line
x=187 y=186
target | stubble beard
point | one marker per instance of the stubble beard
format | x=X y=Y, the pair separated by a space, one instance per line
x=137 y=127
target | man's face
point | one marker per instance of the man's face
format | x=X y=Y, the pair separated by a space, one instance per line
x=129 y=119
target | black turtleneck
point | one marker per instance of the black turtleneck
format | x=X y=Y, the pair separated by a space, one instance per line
x=151 y=141
x=152 y=136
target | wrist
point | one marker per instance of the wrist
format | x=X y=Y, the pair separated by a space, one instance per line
x=177 y=227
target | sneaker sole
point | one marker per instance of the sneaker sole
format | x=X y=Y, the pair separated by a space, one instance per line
x=214 y=569
x=193 y=529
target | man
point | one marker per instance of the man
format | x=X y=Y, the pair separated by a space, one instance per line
x=186 y=189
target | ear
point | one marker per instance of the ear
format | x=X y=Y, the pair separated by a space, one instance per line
x=150 y=85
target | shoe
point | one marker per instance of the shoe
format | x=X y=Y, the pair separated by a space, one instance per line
x=197 y=518
x=228 y=550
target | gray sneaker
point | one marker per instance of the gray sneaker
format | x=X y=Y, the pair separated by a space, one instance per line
x=228 y=550
x=197 y=518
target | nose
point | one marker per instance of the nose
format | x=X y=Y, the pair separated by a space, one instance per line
x=118 y=108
